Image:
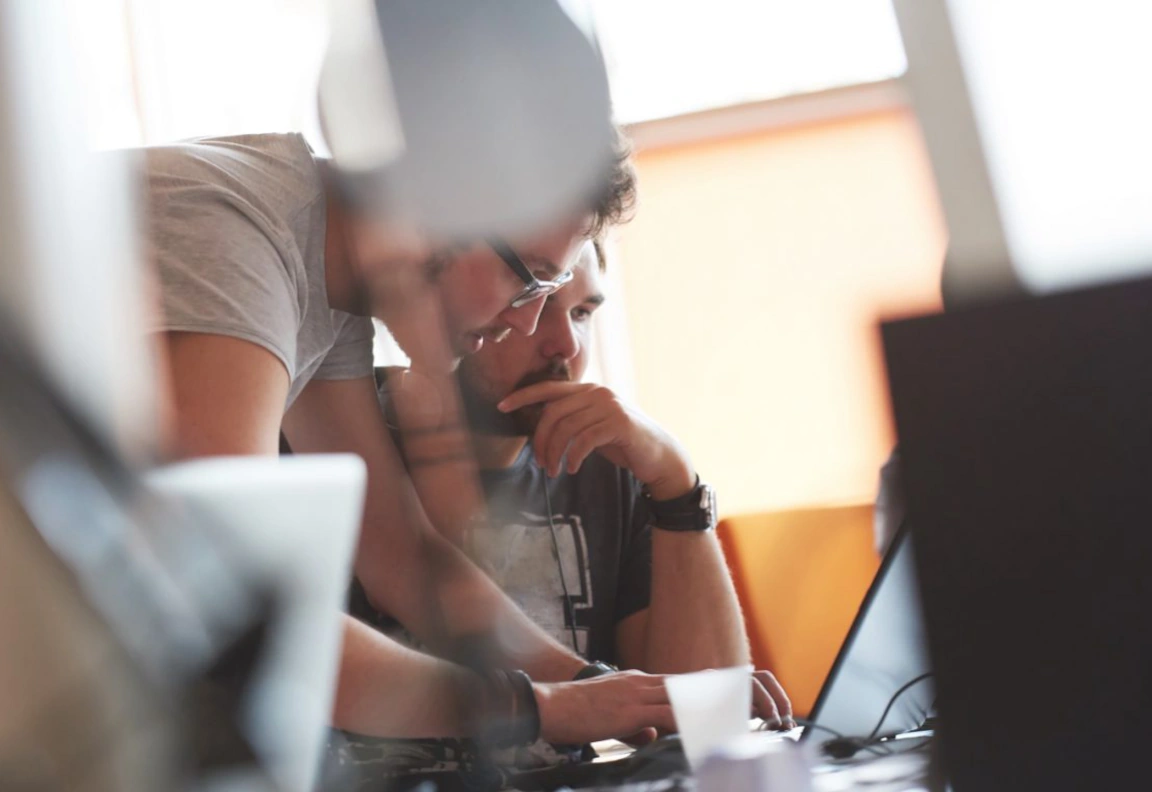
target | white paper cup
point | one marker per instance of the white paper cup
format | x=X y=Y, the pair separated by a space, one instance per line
x=711 y=708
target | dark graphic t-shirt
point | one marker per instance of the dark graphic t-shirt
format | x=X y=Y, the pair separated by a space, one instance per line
x=600 y=522
x=602 y=529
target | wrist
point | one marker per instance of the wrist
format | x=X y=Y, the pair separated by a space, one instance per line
x=509 y=710
x=545 y=694
x=694 y=511
x=676 y=482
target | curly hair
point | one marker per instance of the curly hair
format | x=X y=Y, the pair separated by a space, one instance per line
x=616 y=200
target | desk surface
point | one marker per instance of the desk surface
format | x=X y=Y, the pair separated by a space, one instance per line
x=904 y=770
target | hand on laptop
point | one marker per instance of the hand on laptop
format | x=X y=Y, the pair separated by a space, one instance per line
x=580 y=418
x=629 y=704
x=770 y=702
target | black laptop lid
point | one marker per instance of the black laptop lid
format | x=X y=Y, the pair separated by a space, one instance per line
x=1026 y=436
x=879 y=683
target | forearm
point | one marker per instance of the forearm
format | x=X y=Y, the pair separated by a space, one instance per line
x=694 y=620
x=440 y=596
x=408 y=570
x=387 y=690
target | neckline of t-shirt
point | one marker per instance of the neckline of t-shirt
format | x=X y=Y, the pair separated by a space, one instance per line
x=524 y=461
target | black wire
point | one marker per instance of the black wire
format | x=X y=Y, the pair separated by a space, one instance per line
x=569 y=612
x=861 y=745
x=892 y=702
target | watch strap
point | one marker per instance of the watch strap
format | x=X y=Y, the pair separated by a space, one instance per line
x=693 y=511
x=595 y=669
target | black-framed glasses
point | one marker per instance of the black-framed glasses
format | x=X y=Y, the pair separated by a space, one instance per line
x=534 y=288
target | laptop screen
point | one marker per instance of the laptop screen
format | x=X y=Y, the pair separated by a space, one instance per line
x=877 y=684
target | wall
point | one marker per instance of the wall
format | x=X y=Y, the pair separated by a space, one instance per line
x=754 y=275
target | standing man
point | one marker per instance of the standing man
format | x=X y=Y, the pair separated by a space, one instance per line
x=267 y=272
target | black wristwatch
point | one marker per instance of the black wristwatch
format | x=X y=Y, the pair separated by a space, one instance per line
x=693 y=511
x=595 y=669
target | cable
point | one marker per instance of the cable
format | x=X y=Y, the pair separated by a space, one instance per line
x=892 y=701
x=856 y=743
x=569 y=611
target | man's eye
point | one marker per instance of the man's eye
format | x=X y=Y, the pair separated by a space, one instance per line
x=581 y=314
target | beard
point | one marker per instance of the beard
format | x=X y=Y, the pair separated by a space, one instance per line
x=484 y=418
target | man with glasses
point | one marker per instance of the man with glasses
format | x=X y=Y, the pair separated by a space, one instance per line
x=263 y=276
x=598 y=528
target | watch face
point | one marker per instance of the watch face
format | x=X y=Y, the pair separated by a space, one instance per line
x=708 y=504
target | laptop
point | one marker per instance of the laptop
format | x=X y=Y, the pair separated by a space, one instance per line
x=1026 y=437
x=880 y=683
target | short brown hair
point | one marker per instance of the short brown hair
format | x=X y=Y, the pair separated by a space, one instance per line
x=601 y=255
x=617 y=199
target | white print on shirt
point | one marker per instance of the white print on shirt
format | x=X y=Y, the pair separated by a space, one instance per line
x=519 y=557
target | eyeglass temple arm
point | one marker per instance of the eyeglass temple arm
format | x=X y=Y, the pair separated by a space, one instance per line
x=509 y=257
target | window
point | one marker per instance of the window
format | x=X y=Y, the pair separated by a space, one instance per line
x=668 y=57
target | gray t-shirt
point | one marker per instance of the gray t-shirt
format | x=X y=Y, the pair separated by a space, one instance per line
x=236 y=233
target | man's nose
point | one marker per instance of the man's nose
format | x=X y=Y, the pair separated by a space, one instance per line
x=558 y=339
x=525 y=318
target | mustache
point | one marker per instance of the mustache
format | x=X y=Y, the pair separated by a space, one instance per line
x=555 y=371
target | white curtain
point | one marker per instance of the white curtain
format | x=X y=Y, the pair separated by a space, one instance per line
x=161 y=70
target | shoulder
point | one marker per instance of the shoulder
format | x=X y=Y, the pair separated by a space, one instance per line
x=277 y=171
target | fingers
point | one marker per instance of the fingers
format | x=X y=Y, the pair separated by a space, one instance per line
x=659 y=716
x=586 y=441
x=640 y=738
x=563 y=420
x=541 y=392
x=764 y=706
x=655 y=694
x=590 y=438
x=769 y=697
x=555 y=429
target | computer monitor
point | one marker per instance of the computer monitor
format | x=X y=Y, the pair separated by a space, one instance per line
x=880 y=683
x=1024 y=431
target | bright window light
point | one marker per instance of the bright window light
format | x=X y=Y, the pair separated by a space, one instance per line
x=669 y=57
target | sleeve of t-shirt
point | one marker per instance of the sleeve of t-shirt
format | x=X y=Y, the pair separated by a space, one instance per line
x=635 y=588
x=351 y=355
x=221 y=273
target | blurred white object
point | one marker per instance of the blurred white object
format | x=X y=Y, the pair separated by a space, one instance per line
x=758 y=761
x=711 y=708
x=362 y=124
x=295 y=521
x=1036 y=118
x=70 y=278
x=465 y=119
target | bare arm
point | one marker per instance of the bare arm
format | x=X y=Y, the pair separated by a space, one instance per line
x=385 y=689
x=694 y=620
x=407 y=568
x=389 y=691
x=228 y=396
